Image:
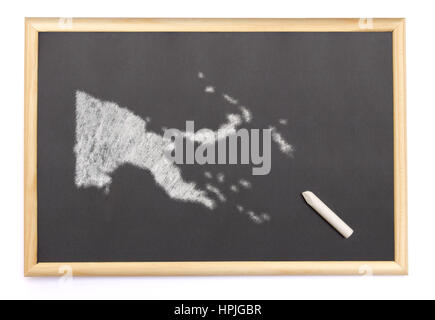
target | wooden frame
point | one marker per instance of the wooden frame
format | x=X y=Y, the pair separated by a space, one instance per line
x=35 y=25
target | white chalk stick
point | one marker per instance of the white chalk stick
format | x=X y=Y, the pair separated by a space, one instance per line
x=327 y=214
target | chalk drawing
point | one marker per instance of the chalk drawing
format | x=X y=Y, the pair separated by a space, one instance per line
x=209 y=89
x=258 y=219
x=246 y=114
x=254 y=217
x=283 y=145
x=108 y=136
x=207 y=136
x=235 y=120
x=229 y=98
x=216 y=191
x=283 y=121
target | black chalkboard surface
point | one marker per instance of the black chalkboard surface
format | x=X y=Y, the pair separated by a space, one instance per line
x=328 y=98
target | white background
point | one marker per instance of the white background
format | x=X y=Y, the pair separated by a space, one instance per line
x=421 y=155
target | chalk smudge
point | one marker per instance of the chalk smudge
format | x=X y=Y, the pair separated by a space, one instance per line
x=234 y=188
x=265 y=216
x=245 y=183
x=217 y=192
x=220 y=177
x=208 y=174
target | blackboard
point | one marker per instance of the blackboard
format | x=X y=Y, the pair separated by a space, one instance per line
x=327 y=99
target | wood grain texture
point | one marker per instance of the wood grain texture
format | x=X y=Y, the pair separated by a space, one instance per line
x=400 y=164
x=30 y=146
x=207 y=25
x=33 y=268
x=217 y=268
